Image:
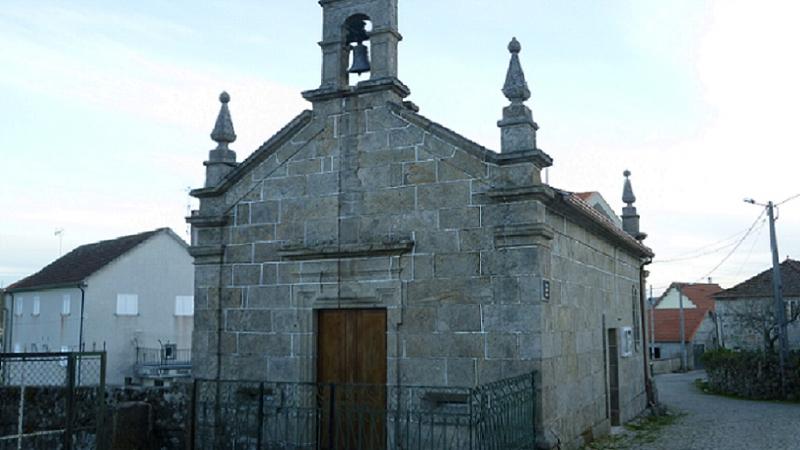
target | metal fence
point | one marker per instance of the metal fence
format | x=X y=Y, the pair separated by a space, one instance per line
x=51 y=401
x=240 y=415
x=165 y=362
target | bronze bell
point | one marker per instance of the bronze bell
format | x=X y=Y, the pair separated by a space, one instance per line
x=360 y=59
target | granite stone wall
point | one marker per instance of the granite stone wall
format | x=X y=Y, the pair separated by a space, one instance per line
x=362 y=203
x=595 y=288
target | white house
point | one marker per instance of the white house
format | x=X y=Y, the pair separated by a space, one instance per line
x=130 y=296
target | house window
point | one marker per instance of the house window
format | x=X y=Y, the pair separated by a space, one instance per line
x=65 y=304
x=127 y=305
x=18 y=306
x=37 y=304
x=792 y=309
x=184 y=305
x=17 y=347
x=34 y=348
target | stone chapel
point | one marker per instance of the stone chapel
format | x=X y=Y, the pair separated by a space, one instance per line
x=366 y=243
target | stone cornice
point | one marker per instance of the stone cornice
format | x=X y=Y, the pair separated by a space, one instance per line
x=346 y=251
x=266 y=149
x=205 y=251
x=198 y=221
x=522 y=235
x=535 y=156
x=364 y=87
x=541 y=192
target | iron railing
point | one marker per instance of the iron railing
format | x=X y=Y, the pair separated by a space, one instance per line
x=51 y=400
x=241 y=415
x=166 y=362
x=163 y=356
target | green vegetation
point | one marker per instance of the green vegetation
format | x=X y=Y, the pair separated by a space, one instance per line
x=751 y=375
x=643 y=430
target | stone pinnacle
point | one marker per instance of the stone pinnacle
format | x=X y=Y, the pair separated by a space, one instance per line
x=223 y=133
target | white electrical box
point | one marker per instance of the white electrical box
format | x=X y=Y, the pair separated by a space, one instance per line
x=626 y=344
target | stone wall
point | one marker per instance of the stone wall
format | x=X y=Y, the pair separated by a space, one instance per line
x=736 y=321
x=364 y=204
x=366 y=209
x=45 y=409
x=594 y=288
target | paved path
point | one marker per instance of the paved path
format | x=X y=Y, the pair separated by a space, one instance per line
x=714 y=422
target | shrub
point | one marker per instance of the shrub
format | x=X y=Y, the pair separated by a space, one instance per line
x=752 y=374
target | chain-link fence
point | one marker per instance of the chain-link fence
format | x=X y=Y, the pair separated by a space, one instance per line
x=51 y=401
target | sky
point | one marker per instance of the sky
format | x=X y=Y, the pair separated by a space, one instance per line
x=107 y=108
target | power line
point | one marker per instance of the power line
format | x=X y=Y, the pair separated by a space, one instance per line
x=750 y=230
x=693 y=254
x=752 y=247
x=788 y=199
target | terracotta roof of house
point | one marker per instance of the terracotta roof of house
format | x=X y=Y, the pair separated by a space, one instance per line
x=701 y=294
x=77 y=265
x=761 y=284
x=585 y=195
x=668 y=324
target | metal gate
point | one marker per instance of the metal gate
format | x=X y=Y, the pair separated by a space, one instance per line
x=51 y=401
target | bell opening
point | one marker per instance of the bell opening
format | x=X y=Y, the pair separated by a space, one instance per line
x=357 y=29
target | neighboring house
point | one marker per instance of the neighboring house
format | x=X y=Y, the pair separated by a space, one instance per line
x=700 y=324
x=596 y=201
x=747 y=310
x=364 y=243
x=130 y=296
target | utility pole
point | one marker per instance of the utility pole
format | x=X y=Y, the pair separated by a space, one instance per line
x=684 y=363
x=777 y=292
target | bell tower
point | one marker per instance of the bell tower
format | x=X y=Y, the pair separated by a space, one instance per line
x=364 y=31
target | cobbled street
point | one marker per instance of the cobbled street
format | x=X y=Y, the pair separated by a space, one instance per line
x=715 y=422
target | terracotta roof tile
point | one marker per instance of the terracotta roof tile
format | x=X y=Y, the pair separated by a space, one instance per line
x=668 y=324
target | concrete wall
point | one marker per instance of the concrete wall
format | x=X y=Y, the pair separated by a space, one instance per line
x=661 y=366
x=736 y=314
x=157 y=271
x=50 y=330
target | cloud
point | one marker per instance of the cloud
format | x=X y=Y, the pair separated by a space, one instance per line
x=111 y=72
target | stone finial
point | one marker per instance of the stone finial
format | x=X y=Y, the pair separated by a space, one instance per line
x=630 y=217
x=627 y=191
x=223 y=133
x=515 y=87
x=221 y=160
x=517 y=128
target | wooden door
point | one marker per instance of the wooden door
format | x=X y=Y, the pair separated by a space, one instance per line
x=613 y=379
x=351 y=370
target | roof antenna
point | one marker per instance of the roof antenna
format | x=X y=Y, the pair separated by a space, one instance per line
x=60 y=233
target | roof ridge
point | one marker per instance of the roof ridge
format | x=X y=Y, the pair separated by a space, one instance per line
x=83 y=261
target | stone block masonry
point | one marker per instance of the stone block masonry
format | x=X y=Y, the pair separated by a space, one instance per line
x=484 y=272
